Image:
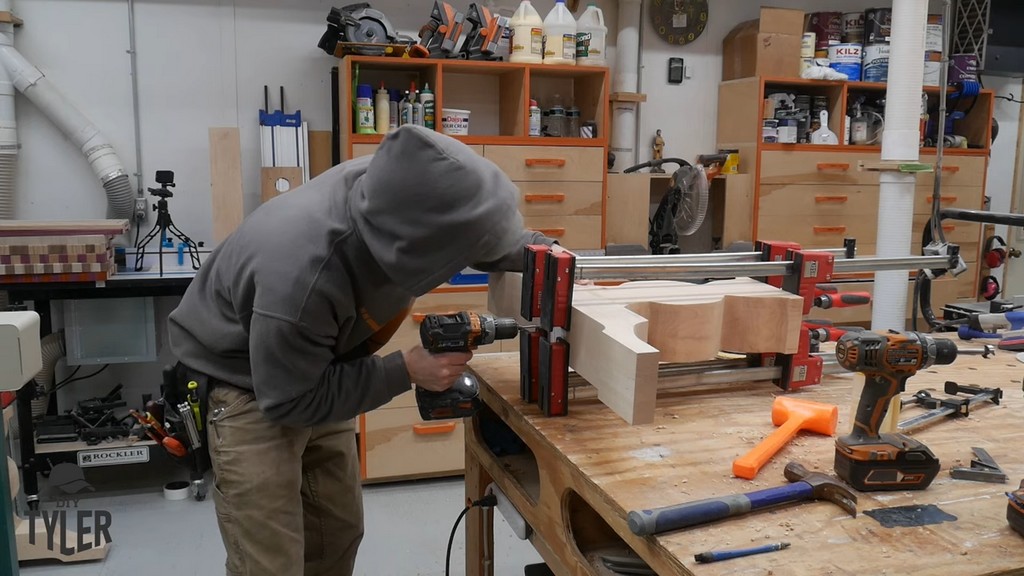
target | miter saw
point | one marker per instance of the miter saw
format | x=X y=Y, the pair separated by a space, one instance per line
x=359 y=29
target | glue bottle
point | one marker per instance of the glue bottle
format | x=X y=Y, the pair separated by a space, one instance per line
x=427 y=99
x=381 y=111
x=527 y=35
x=560 y=36
x=393 y=109
x=417 y=109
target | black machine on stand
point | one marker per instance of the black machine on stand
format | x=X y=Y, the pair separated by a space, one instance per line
x=163 y=225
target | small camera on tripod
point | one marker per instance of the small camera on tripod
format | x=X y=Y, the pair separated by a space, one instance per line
x=165 y=178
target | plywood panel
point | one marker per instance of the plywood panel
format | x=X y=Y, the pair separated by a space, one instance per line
x=226 y=181
x=628 y=209
x=319 y=152
x=62 y=227
x=277 y=181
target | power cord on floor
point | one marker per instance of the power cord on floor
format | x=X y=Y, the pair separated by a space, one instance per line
x=488 y=501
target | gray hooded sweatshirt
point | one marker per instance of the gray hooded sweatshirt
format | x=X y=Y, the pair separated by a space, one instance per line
x=285 y=304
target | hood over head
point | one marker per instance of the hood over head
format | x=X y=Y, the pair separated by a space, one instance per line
x=428 y=206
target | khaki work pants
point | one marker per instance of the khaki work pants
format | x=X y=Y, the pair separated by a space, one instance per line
x=289 y=501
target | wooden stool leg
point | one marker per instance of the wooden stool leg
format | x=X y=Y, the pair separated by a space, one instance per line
x=479 y=521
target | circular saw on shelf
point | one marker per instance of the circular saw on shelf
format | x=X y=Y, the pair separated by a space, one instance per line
x=360 y=29
x=682 y=209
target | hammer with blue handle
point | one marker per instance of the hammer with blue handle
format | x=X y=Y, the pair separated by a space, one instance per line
x=805 y=485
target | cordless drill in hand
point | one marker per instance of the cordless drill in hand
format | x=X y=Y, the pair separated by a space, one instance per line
x=865 y=459
x=458 y=332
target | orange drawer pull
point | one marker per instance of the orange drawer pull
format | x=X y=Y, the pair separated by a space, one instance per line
x=841 y=166
x=433 y=429
x=831 y=199
x=952 y=169
x=948 y=227
x=552 y=232
x=545 y=198
x=942 y=199
x=829 y=229
x=545 y=162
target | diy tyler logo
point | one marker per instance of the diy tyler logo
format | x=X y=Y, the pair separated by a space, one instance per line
x=70 y=530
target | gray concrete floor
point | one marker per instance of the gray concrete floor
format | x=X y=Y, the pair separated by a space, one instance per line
x=407 y=528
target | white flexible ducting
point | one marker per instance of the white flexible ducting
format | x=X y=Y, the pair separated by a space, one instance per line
x=900 y=142
x=626 y=79
x=36 y=87
x=53 y=350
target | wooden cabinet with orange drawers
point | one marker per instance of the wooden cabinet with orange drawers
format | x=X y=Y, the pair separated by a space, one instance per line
x=818 y=196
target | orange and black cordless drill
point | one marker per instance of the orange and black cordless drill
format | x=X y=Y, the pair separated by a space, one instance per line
x=866 y=459
x=458 y=332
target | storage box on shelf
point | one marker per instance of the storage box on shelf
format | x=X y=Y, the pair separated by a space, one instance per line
x=818 y=195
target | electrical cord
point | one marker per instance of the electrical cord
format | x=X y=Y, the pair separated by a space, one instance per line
x=488 y=501
x=70 y=376
x=71 y=380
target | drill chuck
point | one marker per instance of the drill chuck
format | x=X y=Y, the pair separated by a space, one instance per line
x=505 y=328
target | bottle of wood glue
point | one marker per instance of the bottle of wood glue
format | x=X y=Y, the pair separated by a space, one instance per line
x=381 y=110
x=427 y=99
x=534 y=118
x=591 y=35
x=527 y=35
x=560 y=36
x=417 y=109
x=364 y=109
x=405 y=109
x=393 y=109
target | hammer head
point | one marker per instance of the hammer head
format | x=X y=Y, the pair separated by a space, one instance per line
x=825 y=487
x=815 y=416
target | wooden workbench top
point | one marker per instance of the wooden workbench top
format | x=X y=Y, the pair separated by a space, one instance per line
x=687 y=452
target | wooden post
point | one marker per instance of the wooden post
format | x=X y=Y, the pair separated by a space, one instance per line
x=479 y=521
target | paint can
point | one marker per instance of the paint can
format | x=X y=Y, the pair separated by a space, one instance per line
x=963 y=68
x=876 y=63
x=932 y=68
x=846 y=58
x=933 y=34
x=853 y=28
x=807 y=45
x=827 y=27
x=877 y=25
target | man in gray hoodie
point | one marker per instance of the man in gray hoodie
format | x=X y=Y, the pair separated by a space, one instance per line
x=283 y=318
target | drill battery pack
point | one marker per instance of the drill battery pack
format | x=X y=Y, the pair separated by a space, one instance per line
x=896 y=462
x=1015 y=510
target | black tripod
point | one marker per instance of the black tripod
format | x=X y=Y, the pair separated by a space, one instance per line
x=164 y=224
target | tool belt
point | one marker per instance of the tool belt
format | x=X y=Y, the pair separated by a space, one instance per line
x=186 y=400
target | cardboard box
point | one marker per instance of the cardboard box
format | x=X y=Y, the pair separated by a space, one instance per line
x=768 y=46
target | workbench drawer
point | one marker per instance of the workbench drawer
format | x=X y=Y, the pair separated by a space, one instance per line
x=786 y=201
x=573 y=232
x=401 y=445
x=793 y=167
x=820 y=230
x=549 y=163
x=368 y=149
x=956 y=171
x=965 y=197
x=559 y=198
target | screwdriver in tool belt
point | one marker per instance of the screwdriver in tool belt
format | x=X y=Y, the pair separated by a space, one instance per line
x=193 y=401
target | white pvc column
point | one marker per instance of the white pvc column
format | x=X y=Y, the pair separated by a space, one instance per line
x=900 y=142
x=626 y=79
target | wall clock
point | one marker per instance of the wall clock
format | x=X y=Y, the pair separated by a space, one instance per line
x=679 y=22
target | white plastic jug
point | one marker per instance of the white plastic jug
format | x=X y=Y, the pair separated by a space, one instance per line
x=527 y=35
x=591 y=34
x=560 y=36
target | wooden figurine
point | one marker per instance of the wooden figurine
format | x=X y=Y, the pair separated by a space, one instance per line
x=659 y=151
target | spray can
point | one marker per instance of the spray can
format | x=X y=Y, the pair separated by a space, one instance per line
x=364 y=109
x=534 y=118
x=381 y=111
x=427 y=99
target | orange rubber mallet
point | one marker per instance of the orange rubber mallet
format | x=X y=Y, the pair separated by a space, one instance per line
x=791 y=415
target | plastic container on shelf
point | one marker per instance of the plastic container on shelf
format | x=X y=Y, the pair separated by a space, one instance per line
x=534 y=118
x=364 y=109
x=591 y=37
x=527 y=35
x=455 y=122
x=560 y=36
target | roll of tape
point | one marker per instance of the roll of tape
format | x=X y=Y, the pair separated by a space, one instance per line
x=177 y=490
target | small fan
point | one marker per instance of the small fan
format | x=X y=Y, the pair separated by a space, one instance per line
x=682 y=210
